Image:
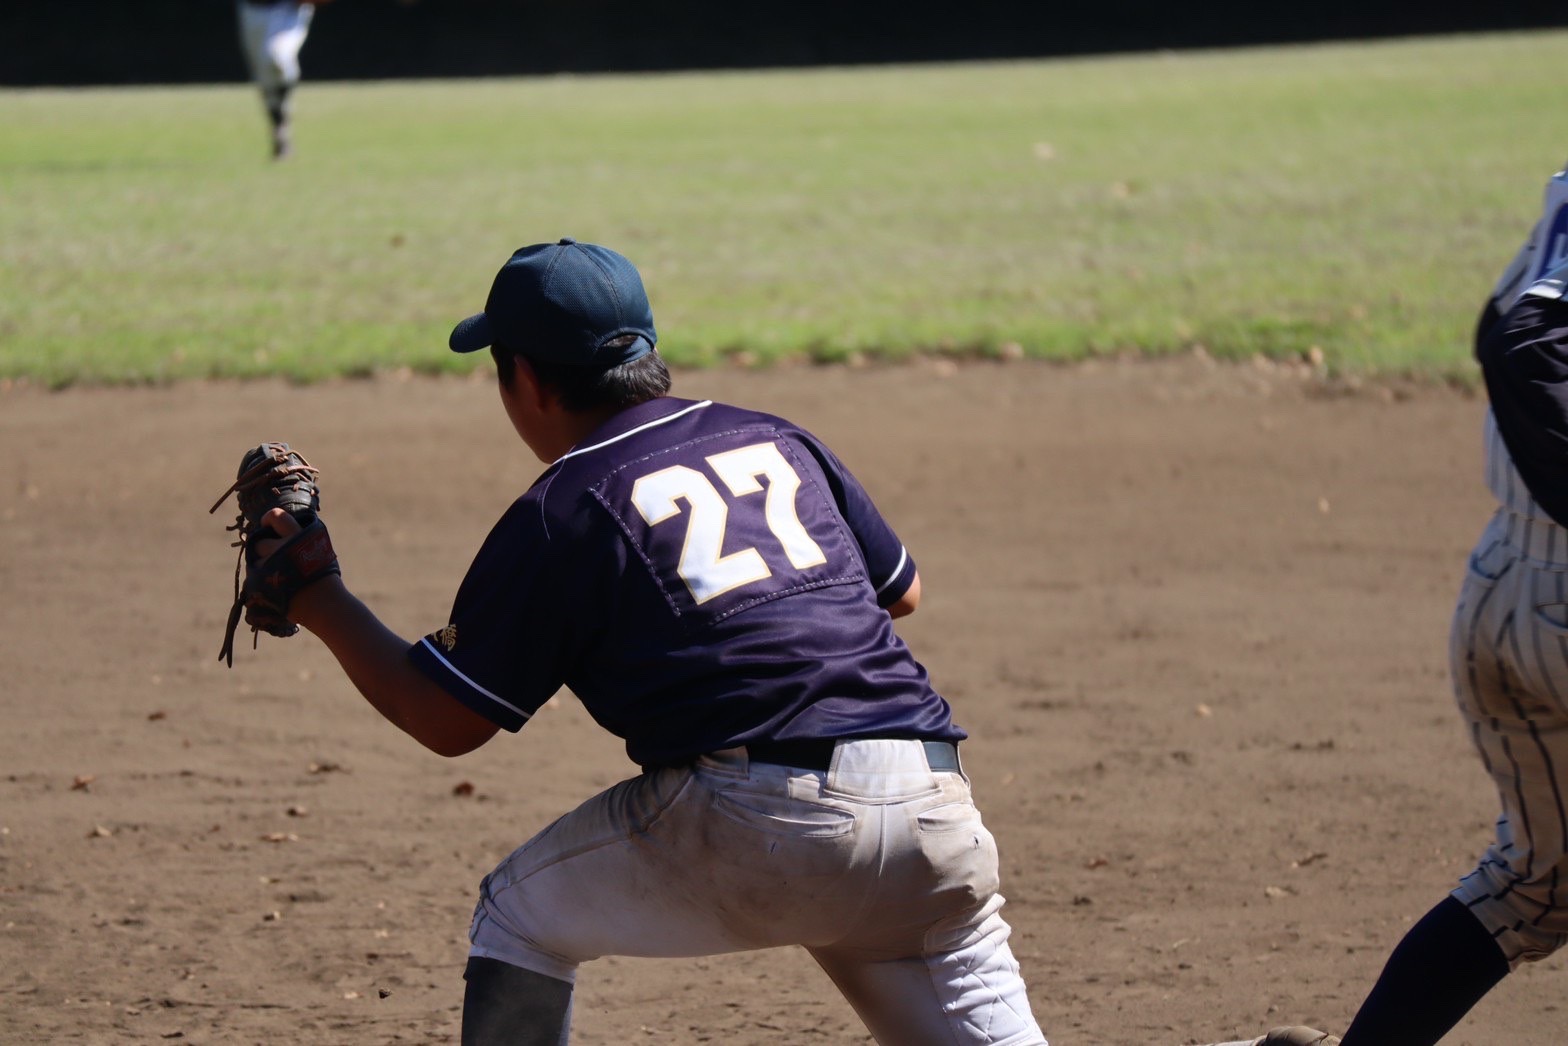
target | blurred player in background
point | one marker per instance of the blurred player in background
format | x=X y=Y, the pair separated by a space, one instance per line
x=271 y=35
x=1508 y=656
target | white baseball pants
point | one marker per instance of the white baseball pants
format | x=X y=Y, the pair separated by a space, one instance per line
x=271 y=36
x=879 y=867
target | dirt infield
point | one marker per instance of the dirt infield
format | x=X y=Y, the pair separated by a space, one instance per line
x=1194 y=617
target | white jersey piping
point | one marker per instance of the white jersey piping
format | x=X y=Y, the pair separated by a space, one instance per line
x=903 y=557
x=450 y=667
x=632 y=432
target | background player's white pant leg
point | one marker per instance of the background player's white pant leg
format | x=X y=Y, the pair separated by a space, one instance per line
x=1509 y=648
x=285 y=37
x=253 y=41
x=271 y=37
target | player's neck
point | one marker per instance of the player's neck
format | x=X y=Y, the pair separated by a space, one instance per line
x=576 y=426
x=551 y=430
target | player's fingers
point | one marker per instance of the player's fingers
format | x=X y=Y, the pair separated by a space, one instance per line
x=280 y=523
x=275 y=522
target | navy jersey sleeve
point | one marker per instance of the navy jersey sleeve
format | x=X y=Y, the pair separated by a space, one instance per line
x=1484 y=323
x=1524 y=362
x=888 y=564
x=515 y=621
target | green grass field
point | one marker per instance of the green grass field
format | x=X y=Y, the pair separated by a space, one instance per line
x=1359 y=198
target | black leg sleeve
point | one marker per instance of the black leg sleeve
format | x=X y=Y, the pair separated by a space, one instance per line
x=505 y=1005
x=1441 y=969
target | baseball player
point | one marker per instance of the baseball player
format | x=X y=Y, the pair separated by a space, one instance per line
x=1508 y=655
x=271 y=35
x=719 y=591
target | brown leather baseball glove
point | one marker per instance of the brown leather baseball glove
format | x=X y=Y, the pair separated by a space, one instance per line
x=274 y=476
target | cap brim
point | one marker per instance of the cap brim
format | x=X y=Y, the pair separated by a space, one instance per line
x=472 y=334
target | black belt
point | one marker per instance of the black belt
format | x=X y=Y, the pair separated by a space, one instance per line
x=818 y=755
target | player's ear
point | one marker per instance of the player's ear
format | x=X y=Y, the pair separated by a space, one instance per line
x=538 y=394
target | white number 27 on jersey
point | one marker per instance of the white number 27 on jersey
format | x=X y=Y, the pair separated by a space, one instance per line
x=707 y=571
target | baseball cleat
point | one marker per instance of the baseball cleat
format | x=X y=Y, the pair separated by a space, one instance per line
x=1298 y=1035
x=1295 y=1035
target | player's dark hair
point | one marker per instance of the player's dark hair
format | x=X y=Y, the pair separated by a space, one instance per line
x=589 y=388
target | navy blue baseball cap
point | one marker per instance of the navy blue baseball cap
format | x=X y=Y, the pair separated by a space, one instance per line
x=563 y=302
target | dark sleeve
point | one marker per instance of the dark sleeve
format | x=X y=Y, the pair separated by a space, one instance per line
x=889 y=565
x=514 y=624
x=1484 y=324
x=1524 y=361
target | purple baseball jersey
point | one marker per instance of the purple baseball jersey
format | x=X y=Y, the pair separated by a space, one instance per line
x=700 y=576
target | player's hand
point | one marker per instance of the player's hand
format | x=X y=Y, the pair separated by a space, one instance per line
x=279 y=522
x=290 y=556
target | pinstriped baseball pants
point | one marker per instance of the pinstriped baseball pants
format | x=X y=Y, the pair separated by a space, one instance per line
x=1508 y=653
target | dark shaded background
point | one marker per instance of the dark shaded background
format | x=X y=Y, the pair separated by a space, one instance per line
x=192 y=41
